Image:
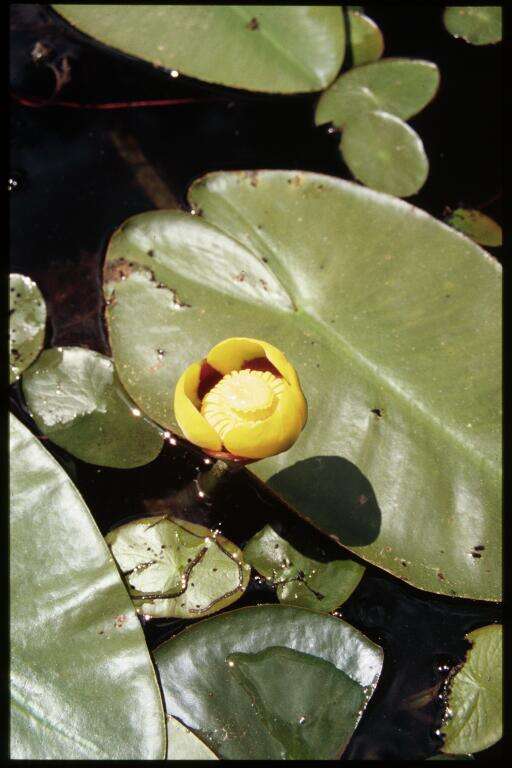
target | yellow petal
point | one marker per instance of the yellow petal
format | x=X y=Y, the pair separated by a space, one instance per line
x=273 y=435
x=231 y=354
x=193 y=425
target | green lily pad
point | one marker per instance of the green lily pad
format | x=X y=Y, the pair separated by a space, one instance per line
x=385 y=153
x=182 y=744
x=274 y=49
x=476 y=24
x=366 y=41
x=402 y=87
x=392 y=321
x=176 y=568
x=476 y=225
x=76 y=399
x=27 y=320
x=275 y=682
x=475 y=703
x=300 y=580
x=82 y=683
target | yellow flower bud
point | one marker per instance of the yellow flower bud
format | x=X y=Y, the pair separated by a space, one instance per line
x=243 y=400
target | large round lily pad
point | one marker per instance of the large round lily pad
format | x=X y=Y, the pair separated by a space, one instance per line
x=27 y=319
x=475 y=703
x=276 y=49
x=177 y=568
x=384 y=153
x=77 y=400
x=82 y=683
x=392 y=320
x=270 y=682
x=402 y=87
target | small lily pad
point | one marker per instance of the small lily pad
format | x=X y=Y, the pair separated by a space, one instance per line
x=476 y=24
x=366 y=40
x=183 y=744
x=476 y=225
x=402 y=87
x=385 y=153
x=475 y=702
x=27 y=320
x=77 y=400
x=269 y=682
x=300 y=580
x=178 y=569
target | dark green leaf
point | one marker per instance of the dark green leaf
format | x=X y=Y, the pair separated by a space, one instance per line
x=176 y=568
x=393 y=322
x=82 y=683
x=276 y=49
x=477 y=24
x=300 y=580
x=384 y=153
x=27 y=320
x=366 y=41
x=477 y=226
x=76 y=399
x=475 y=703
x=270 y=682
x=402 y=87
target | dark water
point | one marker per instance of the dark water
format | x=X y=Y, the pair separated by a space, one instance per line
x=76 y=174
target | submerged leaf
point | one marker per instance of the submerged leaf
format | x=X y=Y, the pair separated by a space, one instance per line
x=385 y=153
x=77 y=400
x=300 y=580
x=183 y=744
x=475 y=703
x=275 y=49
x=27 y=320
x=276 y=682
x=476 y=24
x=177 y=568
x=476 y=225
x=392 y=321
x=402 y=87
x=82 y=683
x=366 y=41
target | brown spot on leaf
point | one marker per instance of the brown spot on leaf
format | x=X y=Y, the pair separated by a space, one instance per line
x=115 y=271
x=120 y=621
x=440 y=575
x=253 y=24
x=378 y=412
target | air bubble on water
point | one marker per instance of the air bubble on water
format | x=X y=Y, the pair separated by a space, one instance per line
x=173 y=441
x=331 y=130
x=201 y=494
x=231 y=663
x=136 y=412
x=175 y=73
x=207 y=461
x=302 y=720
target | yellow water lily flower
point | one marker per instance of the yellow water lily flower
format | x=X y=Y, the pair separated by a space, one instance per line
x=243 y=400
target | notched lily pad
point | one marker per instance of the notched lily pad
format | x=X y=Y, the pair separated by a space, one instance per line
x=77 y=400
x=476 y=24
x=385 y=153
x=183 y=744
x=476 y=225
x=402 y=87
x=365 y=39
x=260 y=682
x=300 y=580
x=475 y=703
x=274 y=49
x=178 y=569
x=27 y=320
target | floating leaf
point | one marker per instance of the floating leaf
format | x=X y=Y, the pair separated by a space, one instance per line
x=182 y=744
x=384 y=153
x=270 y=682
x=82 y=683
x=392 y=321
x=27 y=320
x=76 y=399
x=300 y=580
x=477 y=24
x=402 y=87
x=275 y=49
x=366 y=41
x=477 y=226
x=476 y=696
x=188 y=570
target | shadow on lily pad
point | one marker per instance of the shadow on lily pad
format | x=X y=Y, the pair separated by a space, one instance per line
x=335 y=495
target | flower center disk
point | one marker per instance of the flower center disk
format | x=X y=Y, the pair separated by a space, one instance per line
x=241 y=397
